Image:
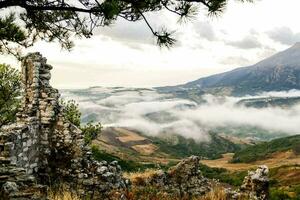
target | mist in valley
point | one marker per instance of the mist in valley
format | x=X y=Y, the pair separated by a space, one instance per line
x=152 y=113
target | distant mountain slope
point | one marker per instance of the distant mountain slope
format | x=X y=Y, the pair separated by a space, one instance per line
x=132 y=145
x=279 y=72
x=270 y=101
x=266 y=149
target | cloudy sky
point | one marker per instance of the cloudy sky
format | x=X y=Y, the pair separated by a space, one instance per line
x=126 y=55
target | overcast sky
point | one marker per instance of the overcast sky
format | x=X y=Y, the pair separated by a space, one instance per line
x=126 y=55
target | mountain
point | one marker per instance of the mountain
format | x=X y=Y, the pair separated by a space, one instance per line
x=278 y=72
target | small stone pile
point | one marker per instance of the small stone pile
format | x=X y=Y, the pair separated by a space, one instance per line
x=255 y=186
x=184 y=180
x=47 y=146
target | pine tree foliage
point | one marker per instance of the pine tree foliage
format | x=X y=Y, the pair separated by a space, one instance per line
x=58 y=20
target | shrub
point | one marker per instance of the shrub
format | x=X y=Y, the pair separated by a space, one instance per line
x=91 y=131
x=72 y=112
x=10 y=90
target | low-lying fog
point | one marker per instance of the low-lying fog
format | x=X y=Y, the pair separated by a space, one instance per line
x=153 y=113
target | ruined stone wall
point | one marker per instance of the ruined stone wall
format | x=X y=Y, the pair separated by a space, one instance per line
x=46 y=145
x=41 y=130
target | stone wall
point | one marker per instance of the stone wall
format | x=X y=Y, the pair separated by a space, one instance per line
x=15 y=183
x=46 y=145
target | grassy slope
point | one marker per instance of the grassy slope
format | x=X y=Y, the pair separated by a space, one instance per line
x=128 y=144
x=264 y=150
x=284 y=180
x=186 y=147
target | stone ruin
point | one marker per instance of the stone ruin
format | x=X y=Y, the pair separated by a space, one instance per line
x=255 y=186
x=186 y=181
x=43 y=146
x=183 y=180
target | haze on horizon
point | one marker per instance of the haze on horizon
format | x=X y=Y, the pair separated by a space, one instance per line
x=126 y=54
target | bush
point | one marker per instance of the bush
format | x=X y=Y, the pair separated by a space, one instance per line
x=10 y=90
x=91 y=131
x=277 y=194
x=223 y=175
x=72 y=112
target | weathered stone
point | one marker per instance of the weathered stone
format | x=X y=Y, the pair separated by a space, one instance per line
x=184 y=179
x=255 y=186
x=45 y=143
x=10 y=187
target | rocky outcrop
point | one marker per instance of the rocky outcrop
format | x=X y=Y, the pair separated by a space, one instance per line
x=255 y=186
x=183 y=180
x=46 y=146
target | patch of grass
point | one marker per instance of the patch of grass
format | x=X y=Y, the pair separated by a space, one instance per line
x=279 y=194
x=223 y=175
x=61 y=192
x=217 y=193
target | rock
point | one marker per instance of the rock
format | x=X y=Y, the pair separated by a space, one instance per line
x=10 y=187
x=102 y=170
x=184 y=179
x=256 y=184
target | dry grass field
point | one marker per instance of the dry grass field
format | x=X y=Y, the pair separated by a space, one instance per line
x=276 y=160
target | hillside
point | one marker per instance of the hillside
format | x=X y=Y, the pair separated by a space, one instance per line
x=264 y=150
x=279 y=72
x=270 y=101
x=129 y=144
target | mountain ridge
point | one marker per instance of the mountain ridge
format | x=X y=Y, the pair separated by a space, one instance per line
x=278 y=72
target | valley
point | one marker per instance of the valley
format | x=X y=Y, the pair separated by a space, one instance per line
x=234 y=122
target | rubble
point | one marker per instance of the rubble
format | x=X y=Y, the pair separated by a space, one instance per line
x=184 y=180
x=255 y=186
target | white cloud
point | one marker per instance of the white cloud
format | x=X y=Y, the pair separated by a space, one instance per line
x=249 y=42
x=284 y=35
x=153 y=113
x=126 y=55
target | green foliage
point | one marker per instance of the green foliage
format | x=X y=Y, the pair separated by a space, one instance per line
x=10 y=89
x=223 y=175
x=279 y=194
x=91 y=131
x=264 y=150
x=72 y=112
x=10 y=31
x=127 y=165
x=56 y=20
